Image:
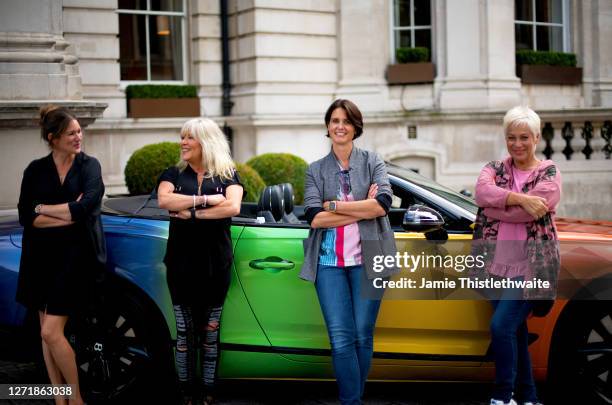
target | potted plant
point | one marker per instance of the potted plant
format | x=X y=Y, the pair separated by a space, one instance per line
x=162 y=100
x=545 y=67
x=413 y=66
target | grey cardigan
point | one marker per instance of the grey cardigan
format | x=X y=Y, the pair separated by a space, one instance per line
x=321 y=184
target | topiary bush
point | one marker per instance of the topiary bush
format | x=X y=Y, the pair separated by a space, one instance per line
x=412 y=55
x=252 y=182
x=147 y=163
x=529 y=57
x=276 y=168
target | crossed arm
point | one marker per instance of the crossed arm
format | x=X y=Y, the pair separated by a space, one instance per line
x=218 y=205
x=509 y=206
x=56 y=215
x=174 y=202
x=348 y=212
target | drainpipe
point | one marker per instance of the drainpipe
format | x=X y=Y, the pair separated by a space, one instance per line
x=227 y=103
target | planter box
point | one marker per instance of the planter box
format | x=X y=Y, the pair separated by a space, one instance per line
x=163 y=107
x=544 y=74
x=406 y=73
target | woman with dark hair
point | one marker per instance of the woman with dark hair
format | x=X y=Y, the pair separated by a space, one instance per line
x=63 y=243
x=515 y=226
x=202 y=193
x=347 y=196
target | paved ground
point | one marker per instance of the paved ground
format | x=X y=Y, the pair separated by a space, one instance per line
x=293 y=393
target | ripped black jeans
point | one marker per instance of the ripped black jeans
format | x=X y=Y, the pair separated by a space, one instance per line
x=197 y=328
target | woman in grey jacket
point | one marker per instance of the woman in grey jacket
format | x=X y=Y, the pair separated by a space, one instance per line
x=347 y=196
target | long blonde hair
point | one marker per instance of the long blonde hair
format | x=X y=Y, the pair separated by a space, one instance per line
x=216 y=157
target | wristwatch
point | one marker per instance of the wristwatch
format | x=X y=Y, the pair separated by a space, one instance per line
x=37 y=208
x=332 y=206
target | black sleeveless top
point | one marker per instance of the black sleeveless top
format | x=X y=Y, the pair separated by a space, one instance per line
x=199 y=251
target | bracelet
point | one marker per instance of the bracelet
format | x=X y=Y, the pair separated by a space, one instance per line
x=193 y=213
x=38 y=208
x=193 y=201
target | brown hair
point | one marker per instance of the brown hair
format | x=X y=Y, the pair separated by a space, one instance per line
x=352 y=112
x=54 y=120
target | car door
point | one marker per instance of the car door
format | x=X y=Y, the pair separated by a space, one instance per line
x=431 y=329
x=268 y=258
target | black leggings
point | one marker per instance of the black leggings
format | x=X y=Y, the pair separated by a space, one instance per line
x=195 y=329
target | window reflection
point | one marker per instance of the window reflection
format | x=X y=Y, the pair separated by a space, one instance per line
x=132 y=47
x=539 y=25
x=151 y=42
x=166 y=46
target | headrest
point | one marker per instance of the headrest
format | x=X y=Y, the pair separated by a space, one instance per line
x=271 y=199
x=288 y=197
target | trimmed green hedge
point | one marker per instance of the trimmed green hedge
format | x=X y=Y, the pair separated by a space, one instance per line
x=528 y=57
x=147 y=163
x=276 y=168
x=160 y=91
x=252 y=182
x=412 y=55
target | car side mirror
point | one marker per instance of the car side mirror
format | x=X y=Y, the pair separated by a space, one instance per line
x=419 y=218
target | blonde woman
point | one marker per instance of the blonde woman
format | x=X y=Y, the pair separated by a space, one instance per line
x=518 y=198
x=202 y=193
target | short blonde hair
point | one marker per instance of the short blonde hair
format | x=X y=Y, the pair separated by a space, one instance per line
x=216 y=157
x=522 y=115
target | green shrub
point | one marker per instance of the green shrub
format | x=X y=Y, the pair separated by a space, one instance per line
x=276 y=168
x=412 y=55
x=147 y=163
x=528 y=57
x=252 y=182
x=160 y=91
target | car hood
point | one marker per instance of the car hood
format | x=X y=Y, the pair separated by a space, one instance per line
x=575 y=228
x=8 y=224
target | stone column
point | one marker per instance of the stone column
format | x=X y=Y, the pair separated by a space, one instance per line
x=363 y=49
x=35 y=69
x=34 y=64
x=475 y=54
x=91 y=29
x=593 y=22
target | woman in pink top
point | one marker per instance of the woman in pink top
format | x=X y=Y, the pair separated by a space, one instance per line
x=517 y=198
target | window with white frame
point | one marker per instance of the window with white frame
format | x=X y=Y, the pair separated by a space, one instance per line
x=151 y=40
x=412 y=24
x=542 y=25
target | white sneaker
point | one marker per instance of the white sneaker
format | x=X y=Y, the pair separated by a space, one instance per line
x=499 y=402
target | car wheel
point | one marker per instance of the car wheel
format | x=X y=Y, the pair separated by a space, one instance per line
x=581 y=359
x=119 y=350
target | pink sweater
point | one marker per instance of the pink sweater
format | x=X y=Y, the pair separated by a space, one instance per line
x=510 y=256
x=493 y=198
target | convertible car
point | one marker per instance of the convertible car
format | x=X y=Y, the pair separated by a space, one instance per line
x=272 y=327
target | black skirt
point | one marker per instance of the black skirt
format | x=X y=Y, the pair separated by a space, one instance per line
x=58 y=270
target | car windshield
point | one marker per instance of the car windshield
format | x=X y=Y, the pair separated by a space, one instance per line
x=459 y=199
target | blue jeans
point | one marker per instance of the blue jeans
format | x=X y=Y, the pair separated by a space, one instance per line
x=509 y=340
x=350 y=323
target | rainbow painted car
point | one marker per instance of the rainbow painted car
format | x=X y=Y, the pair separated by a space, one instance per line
x=272 y=327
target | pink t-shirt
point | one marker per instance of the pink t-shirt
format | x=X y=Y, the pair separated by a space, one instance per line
x=511 y=254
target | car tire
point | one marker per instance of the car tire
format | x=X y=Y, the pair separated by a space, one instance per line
x=121 y=351
x=581 y=354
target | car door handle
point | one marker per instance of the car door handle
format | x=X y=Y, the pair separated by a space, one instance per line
x=271 y=263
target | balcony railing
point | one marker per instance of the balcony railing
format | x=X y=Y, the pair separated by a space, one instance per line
x=577 y=135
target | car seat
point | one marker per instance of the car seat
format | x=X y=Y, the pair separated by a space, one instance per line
x=288 y=197
x=271 y=204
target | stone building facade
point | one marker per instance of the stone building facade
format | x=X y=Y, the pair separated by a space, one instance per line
x=289 y=59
